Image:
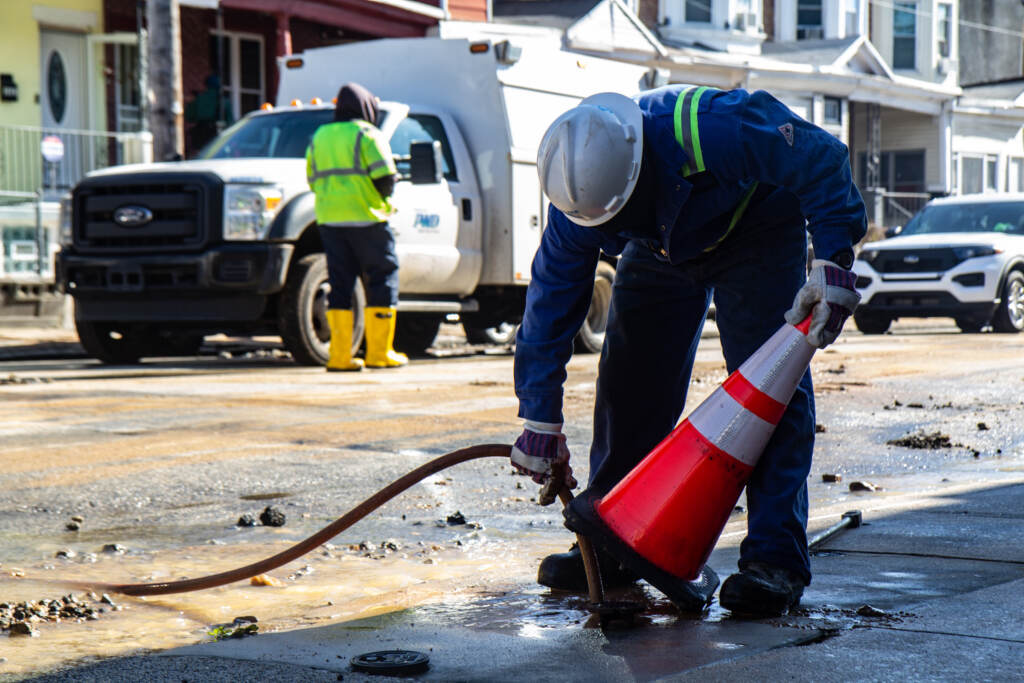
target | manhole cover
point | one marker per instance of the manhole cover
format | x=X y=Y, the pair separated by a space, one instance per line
x=391 y=662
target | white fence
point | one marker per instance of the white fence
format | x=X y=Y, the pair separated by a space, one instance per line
x=23 y=168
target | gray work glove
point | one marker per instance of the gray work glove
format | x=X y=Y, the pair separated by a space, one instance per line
x=538 y=448
x=830 y=297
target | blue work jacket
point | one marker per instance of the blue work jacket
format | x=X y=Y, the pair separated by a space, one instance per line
x=719 y=161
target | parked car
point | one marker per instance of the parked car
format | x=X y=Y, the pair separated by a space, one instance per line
x=959 y=257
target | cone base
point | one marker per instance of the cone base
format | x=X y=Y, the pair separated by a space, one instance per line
x=689 y=596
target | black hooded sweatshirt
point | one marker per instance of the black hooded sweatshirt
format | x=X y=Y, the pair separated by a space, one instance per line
x=356 y=102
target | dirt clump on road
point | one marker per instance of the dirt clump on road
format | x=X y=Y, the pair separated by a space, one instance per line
x=21 y=618
x=932 y=441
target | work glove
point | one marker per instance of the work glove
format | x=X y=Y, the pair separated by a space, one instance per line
x=829 y=296
x=541 y=448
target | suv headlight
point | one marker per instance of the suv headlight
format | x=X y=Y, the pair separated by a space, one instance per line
x=64 y=234
x=249 y=210
x=964 y=253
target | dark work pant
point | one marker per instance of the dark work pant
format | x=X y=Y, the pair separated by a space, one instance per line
x=357 y=252
x=656 y=316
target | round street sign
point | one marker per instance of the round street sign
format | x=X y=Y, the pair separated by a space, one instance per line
x=52 y=148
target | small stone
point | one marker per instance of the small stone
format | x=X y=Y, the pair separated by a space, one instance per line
x=271 y=516
x=455 y=519
x=870 y=611
x=820 y=428
x=831 y=478
x=739 y=509
x=78 y=518
x=864 y=486
x=72 y=526
x=20 y=628
x=247 y=520
x=106 y=599
x=66 y=554
x=114 y=548
x=982 y=427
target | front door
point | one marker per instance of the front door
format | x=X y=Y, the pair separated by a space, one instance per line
x=63 y=99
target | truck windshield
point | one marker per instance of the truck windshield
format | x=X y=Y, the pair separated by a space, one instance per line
x=1005 y=217
x=281 y=135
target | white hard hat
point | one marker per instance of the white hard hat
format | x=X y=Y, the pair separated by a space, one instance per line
x=589 y=159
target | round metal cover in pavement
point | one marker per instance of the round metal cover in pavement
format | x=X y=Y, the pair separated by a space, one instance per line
x=391 y=662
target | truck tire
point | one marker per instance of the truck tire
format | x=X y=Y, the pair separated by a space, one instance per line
x=502 y=335
x=1009 y=317
x=415 y=332
x=302 y=312
x=590 y=338
x=111 y=342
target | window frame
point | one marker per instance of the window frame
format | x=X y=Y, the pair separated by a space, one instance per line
x=810 y=31
x=898 y=39
x=944 y=29
x=234 y=53
x=703 y=4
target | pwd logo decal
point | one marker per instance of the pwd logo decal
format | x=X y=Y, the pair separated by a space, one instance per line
x=426 y=221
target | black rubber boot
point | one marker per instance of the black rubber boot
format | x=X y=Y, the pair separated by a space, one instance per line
x=565 y=571
x=761 y=590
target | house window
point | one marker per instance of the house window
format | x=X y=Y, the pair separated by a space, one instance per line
x=904 y=35
x=808 y=20
x=899 y=171
x=833 y=110
x=698 y=10
x=945 y=28
x=1015 y=175
x=242 y=80
x=126 y=88
x=977 y=173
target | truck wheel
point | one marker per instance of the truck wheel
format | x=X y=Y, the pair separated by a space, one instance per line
x=302 y=313
x=415 y=332
x=590 y=338
x=112 y=343
x=870 y=323
x=1009 y=316
x=502 y=334
x=970 y=325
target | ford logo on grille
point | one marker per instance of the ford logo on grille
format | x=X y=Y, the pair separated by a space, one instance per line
x=911 y=258
x=132 y=216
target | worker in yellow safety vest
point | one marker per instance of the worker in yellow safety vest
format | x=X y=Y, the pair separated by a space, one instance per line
x=352 y=173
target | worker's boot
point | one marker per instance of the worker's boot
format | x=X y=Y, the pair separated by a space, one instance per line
x=762 y=590
x=565 y=571
x=340 y=358
x=380 y=335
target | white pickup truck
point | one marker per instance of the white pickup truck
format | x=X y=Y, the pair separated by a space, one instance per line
x=163 y=254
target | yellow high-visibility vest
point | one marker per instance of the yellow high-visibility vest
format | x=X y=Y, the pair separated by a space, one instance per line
x=342 y=161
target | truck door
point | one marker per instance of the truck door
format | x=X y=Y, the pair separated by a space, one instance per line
x=437 y=226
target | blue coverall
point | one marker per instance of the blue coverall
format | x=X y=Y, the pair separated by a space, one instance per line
x=734 y=181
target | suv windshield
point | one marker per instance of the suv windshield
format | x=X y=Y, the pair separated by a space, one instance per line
x=1007 y=217
x=279 y=135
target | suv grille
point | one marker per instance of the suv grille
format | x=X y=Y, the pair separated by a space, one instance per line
x=180 y=211
x=935 y=260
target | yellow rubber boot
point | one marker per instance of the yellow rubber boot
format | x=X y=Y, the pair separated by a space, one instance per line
x=341 y=322
x=380 y=335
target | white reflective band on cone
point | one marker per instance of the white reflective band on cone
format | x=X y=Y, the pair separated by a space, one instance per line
x=728 y=425
x=776 y=367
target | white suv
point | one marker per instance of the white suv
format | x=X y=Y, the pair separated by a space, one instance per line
x=959 y=257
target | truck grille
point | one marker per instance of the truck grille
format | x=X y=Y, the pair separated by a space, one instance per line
x=915 y=260
x=171 y=212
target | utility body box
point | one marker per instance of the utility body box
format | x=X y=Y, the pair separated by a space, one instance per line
x=165 y=253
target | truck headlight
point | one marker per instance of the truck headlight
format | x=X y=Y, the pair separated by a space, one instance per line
x=249 y=210
x=64 y=234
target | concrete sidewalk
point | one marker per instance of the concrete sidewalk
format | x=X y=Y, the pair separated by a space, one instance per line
x=930 y=588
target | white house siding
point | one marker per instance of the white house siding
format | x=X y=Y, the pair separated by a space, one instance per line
x=989 y=136
x=904 y=131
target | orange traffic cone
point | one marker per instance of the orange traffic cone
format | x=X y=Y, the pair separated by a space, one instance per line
x=663 y=519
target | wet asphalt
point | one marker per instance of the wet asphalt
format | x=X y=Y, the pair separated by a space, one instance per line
x=163 y=458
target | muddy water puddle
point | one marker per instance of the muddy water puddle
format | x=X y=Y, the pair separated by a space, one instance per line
x=333 y=583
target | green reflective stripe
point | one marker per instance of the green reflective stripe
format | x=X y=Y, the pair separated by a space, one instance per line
x=741 y=208
x=687 y=132
x=357 y=162
x=337 y=171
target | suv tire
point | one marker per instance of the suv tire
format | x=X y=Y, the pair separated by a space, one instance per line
x=872 y=323
x=302 y=311
x=1009 y=316
x=970 y=325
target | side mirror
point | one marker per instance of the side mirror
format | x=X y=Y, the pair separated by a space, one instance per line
x=426 y=165
x=893 y=231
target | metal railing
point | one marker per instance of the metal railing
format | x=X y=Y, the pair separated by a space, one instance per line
x=23 y=168
x=28 y=238
x=889 y=209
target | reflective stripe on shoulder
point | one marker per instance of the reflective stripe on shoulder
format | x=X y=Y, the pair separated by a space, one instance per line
x=686 y=129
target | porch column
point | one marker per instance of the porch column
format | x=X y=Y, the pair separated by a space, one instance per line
x=946 y=147
x=283 y=48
